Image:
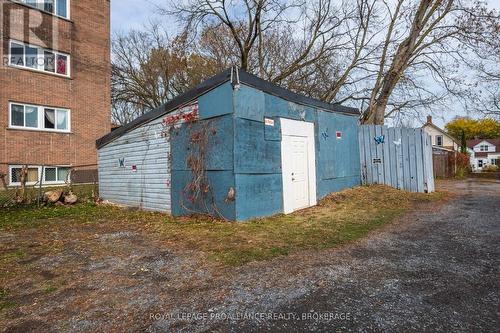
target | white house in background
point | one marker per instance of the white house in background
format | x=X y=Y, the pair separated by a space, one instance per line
x=440 y=138
x=483 y=153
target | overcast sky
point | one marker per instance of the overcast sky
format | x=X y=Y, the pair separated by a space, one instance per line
x=127 y=14
x=133 y=14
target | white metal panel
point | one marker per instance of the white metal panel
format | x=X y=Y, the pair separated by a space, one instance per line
x=134 y=169
x=146 y=186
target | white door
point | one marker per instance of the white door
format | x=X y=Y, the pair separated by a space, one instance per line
x=299 y=175
x=298 y=165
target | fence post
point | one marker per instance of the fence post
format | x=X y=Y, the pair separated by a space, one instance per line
x=40 y=186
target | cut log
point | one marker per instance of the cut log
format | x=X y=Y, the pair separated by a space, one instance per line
x=52 y=196
x=70 y=198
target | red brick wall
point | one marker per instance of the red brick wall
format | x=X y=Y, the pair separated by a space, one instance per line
x=86 y=37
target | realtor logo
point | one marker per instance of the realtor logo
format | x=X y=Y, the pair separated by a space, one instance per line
x=28 y=23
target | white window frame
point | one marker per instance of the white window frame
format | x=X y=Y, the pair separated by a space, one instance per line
x=41 y=118
x=11 y=183
x=39 y=168
x=484 y=148
x=437 y=144
x=68 y=7
x=56 y=182
x=40 y=54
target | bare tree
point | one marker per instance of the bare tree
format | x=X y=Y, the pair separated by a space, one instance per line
x=246 y=20
x=279 y=40
x=149 y=69
x=434 y=34
x=487 y=72
x=390 y=58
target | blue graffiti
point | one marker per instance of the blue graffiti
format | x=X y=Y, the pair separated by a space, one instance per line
x=325 y=134
x=122 y=162
x=379 y=139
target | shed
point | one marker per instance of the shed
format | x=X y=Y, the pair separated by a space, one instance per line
x=235 y=146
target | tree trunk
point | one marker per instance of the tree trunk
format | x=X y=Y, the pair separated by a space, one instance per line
x=375 y=115
x=244 y=61
x=375 y=112
x=21 y=192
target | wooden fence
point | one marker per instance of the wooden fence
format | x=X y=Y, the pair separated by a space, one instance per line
x=444 y=163
x=397 y=157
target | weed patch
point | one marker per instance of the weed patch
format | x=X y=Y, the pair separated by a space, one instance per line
x=4 y=303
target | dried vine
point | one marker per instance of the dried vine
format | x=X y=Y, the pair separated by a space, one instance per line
x=197 y=193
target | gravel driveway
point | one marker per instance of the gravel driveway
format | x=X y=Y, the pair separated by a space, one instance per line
x=438 y=270
x=434 y=270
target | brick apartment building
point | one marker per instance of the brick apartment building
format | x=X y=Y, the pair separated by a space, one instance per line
x=54 y=87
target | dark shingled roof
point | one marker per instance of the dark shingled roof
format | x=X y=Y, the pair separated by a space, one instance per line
x=215 y=81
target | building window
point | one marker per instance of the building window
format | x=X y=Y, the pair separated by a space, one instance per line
x=31 y=57
x=62 y=120
x=16 y=54
x=49 y=119
x=49 y=61
x=63 y=8
x=55 y=7
x=16 y=175
x=62 y=64
x=439 y=140
x=38 y=58
x=23 y=116
x=51 y=175
x=483 y=147
x=56 y=174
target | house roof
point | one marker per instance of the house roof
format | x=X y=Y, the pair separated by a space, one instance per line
x=474 y=142
x=441 y=130
x=215 y=81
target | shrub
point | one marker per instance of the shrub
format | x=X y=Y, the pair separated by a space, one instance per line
x=462 y=163
x=491 y=168
x=461 y=172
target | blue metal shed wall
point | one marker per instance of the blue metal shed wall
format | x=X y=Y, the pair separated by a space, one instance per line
x=215 y=108
x=217 y=102
x=337 y=160
x=257 y=151
x=245 y=154
x=257 y=168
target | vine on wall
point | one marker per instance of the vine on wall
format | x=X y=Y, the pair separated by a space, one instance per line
x=197 y=193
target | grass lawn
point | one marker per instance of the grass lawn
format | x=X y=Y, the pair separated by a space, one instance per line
x=341 y=217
